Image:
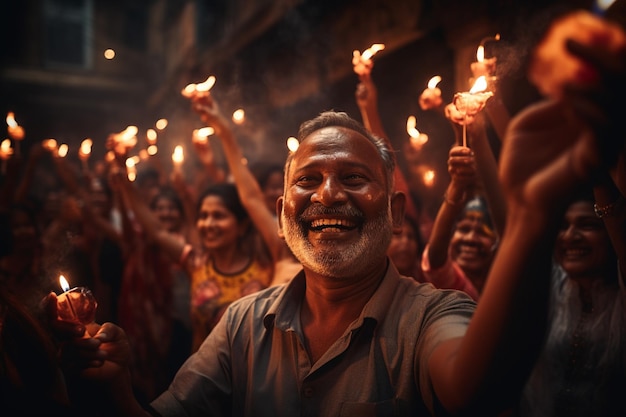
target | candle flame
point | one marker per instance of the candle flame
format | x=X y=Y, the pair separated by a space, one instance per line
x=189 y=89
x=372 y=50
x=50 y=144
x=151 y=136
x=206 y=131
x=85 y=147
x=432 y=83
x=480 y=54
x=206 y=85
x=429 y=178
x=63 y=149
x=161 y=124
x=11 y=119
x=239 y=116
x=5 y=149
x=411 y=122
x=292 y=144
x=479 y=85
x=65 y=286
x=178 y=157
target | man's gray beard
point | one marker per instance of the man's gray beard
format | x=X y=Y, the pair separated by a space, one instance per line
x=337 y=260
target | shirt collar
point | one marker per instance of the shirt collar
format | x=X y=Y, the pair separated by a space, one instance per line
x=284 y=313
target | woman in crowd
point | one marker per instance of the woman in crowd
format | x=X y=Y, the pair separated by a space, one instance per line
x=256 y=199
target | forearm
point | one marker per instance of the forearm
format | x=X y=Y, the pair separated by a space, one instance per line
x=487 y=168
x=496 y=355
x=441 y=234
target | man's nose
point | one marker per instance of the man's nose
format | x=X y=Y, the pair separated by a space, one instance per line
x=330 y=192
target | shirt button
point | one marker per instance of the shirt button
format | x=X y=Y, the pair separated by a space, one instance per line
x=308 y=392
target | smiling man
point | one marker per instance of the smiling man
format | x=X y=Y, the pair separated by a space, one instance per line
x=349 y=336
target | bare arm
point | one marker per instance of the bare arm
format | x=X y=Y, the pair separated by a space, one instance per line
x=367 y=100
x=131 y=199
x=461 y=167
x=487 y=168
x=250 y=192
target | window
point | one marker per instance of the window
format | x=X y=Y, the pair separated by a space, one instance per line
x=67 y=33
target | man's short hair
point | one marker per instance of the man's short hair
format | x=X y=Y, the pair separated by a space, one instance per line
x=341 y=119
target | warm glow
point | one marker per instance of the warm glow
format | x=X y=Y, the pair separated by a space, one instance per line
x=479 y=85
x=50 y=144
x=178 y=157
x=152 y=150
x=292 y=144
x=206 y=131
x=201 y=135
x=5 y=149
x=63 y=149
x=143 y=154
x=151 y=136
x=239 y=116
x=429 y=178
x=132 y=176
x=417 y=139
x=109 y=53
x=11 y=119
x=161 y=124
x=480 y=54
x=432 y=83
x=189 y=89
x=130 y=163
x=109 y=156
x=372 y=50
x=411 y=122
x=604 y=4
x=85 y=147
x=65 y=286
x=129 y=132
x=207 y=85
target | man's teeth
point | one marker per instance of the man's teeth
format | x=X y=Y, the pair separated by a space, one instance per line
x=331 y=223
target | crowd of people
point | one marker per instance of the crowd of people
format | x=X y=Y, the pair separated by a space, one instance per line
x=327 y=298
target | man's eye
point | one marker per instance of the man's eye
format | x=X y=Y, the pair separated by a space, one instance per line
x=305 y=180
x=354 y=178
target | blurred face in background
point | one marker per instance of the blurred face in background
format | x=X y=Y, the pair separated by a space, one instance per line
x=168 y=213
x=404 y=249
x=473 y=243
x=583 y=248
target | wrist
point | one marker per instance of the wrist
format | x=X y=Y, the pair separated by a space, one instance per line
x=607 y=210
x=454 y=199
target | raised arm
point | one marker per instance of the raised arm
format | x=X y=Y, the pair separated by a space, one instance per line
x=367 y=101
x=550 y=149
x=248 y=188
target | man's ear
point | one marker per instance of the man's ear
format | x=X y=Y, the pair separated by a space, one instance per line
x=279 y=211
x=398 y=202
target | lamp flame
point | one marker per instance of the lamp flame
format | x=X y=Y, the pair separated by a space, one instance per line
x=65 y=286
x=372 y=50
x=206 y=85
x=480 y=54
x=479 y=85
x=178 y=157
x=292 y=144
x=11 y=119
x=432 y=83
